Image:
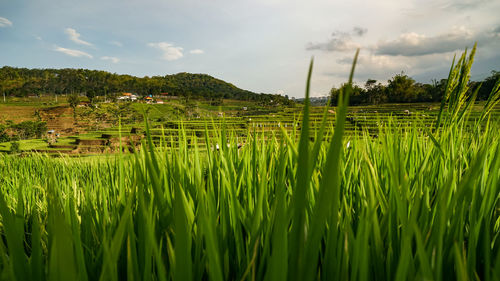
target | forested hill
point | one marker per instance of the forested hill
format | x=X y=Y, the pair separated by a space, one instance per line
x=23 y=81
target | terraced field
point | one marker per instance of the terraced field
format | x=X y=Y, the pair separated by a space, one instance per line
x=360 y=120
x=348 y=207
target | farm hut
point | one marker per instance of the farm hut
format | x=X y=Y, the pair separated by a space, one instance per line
x=148 y=99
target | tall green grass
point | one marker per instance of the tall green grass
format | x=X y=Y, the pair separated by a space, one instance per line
x=412 y=204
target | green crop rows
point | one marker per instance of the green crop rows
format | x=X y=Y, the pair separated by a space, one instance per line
x=418 y=201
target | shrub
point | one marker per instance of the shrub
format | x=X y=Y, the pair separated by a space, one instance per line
x=14 y=147
x=30 y=129
x=4 y=137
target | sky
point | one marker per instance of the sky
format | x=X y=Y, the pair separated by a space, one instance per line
x=262 y=45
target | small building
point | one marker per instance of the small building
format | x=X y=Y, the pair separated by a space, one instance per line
x=128 y=96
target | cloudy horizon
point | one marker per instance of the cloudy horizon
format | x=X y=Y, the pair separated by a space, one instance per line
x=262 y=46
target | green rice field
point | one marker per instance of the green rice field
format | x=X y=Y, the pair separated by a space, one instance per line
x=320 y=194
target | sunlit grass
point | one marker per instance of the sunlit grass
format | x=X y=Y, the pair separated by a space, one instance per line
x=410 y=204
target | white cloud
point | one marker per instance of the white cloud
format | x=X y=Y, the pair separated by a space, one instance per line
x=112 y=59
x=340 y=41
x=5 y=22
x=116 y=43
x=382 y=67
x=465 y=4
x=71 y=52
x=75 y=37
x=170 y=52
x=414 y=44
x=196 y=52
x=359 y=31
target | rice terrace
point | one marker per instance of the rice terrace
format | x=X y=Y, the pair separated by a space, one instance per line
x=108 y=176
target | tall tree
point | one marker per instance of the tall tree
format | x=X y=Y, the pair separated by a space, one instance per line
x=401 y=88
x=74 y=100
x=375 y=93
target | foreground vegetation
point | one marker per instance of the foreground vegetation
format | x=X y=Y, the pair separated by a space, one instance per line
x=414 y=203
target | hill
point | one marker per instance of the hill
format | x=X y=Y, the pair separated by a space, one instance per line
x=23 y=81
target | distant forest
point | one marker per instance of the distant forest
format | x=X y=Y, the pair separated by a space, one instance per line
x=403 y=89
x=400 y=89
x=23 y=82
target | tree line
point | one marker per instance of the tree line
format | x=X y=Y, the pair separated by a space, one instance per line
x=23 y=82
x=403 y=89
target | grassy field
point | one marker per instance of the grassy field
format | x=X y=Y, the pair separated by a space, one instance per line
x=164 y=122
x=333 y=196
